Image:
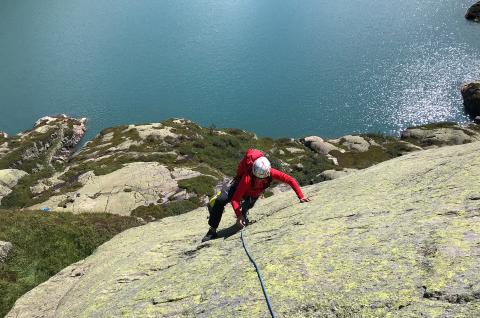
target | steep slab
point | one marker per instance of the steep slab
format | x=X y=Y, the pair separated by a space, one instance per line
x=399 y=239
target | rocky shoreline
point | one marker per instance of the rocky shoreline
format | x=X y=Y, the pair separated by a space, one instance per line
x=473 y=13
x=471 y=99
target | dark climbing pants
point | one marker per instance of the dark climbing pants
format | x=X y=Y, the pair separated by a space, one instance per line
x=223 y=199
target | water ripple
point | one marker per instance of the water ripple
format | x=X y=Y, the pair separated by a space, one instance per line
x=426 y=88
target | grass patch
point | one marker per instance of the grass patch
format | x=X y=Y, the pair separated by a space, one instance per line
x=45 y=243
x=201 y=185
x=166 y=210
x=361 y=160
x=379 y=137
x=204 y=169
x=397 y=149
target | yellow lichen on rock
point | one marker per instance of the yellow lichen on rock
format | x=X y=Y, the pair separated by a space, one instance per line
x=399 y=239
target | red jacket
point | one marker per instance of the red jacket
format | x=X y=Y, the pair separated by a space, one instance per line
x=245 y=187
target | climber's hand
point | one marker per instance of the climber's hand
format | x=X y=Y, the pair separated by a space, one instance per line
x=241 y=222
x=305 y=200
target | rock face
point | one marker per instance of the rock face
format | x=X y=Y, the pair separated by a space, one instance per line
x=5 y=248
x=52 y=139
x=473 y=13
x=399 y=239
x=471 y=97
x=443 y=135
x=120 y=192
x=9 y=179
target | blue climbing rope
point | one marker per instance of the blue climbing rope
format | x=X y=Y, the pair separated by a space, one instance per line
x=259 y=276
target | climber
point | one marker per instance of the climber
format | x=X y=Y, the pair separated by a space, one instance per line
x=254 y=175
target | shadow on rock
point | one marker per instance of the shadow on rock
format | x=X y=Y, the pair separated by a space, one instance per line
x=226 y=233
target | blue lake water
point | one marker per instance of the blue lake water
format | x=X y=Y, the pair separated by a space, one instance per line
x=279 y=68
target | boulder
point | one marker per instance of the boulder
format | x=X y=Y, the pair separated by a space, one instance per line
x=335 y=174
x=471 y=98
x=323 y=147
x=318 y=145
x=5 y=248
x=355 y=143
x=311 y=139
x=473 y=13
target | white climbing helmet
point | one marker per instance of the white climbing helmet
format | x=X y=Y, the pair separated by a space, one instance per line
x=261 y=168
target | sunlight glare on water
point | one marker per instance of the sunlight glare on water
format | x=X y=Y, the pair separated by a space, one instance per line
x=425 y=89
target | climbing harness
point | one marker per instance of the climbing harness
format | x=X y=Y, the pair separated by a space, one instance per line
x=259 y=275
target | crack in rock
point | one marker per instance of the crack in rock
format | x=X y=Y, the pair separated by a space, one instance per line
x=191 y=253
x=170 y=300
x=459 y=298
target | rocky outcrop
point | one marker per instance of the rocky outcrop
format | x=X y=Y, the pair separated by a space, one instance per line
x=444 y=134
x=67 y=141
x=120 y=192
x=52 y=139
x=399 y=239
x=471 y=97
x=8 y=180
x=473 y=13
x=5 y=248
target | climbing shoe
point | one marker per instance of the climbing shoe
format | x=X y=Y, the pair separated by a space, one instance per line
x=245 y=216
x=211 y=234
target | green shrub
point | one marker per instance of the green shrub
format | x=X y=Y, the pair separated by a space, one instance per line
x=396 y=149
x=44 y=243
x=201 y=185
x=360 y=160
x=379 y=137
x=170 y=209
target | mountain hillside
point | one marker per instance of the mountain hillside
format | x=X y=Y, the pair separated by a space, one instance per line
x=399 y=239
